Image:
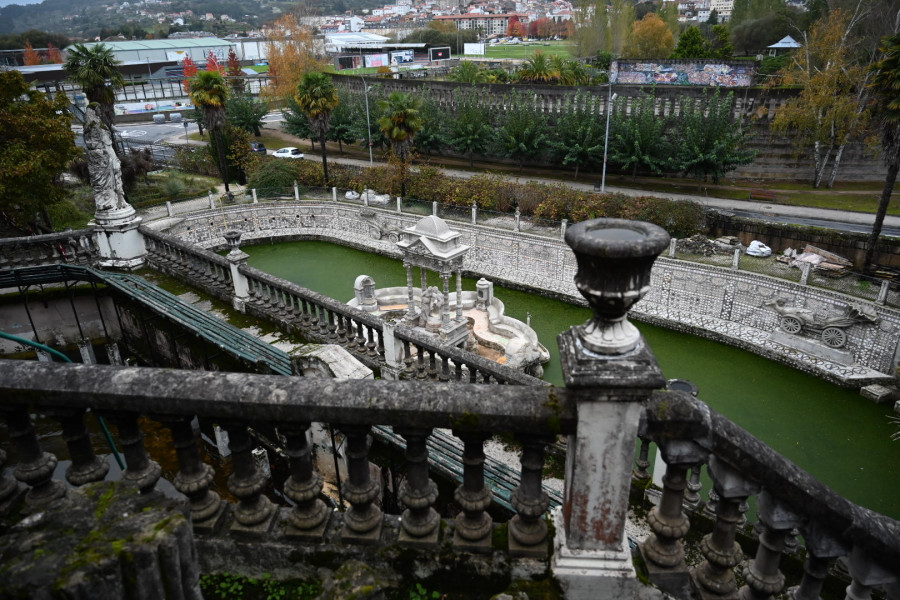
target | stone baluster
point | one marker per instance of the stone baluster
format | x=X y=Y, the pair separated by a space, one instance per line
x=309 y=516
x=312 y=314
x=140 y=469
x=763 y=578
x=866 y=574
x=363 y=522
x=692 y=493
x=410 y=302
x=360 y=338
x=324 y=322
x=341 y=330
x=194 y=476
x=663 y=551
x=10 y=489
x=370 y=344
x=419 y=522
x=86 y=466
x=254 y=513
x=715 y=577
x=432 y=365
x=821 y=549
x=473 y=374
x=408 y=359
x=420 y=363
x=444 y=375
x=528 y=528
x=332 y=325
x=457 y=371
x=473 y=529
x=35 y=468
x=640 y=472
x=380 y=348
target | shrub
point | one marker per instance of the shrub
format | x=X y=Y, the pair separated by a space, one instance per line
x=272 y=177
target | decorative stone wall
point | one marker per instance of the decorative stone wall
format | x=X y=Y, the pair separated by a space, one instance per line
x=703 y=300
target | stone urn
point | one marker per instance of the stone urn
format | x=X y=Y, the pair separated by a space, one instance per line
x=614 y=258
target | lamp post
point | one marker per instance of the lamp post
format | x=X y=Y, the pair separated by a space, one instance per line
x=185 y=123
x=368 y=122
x=610 y=98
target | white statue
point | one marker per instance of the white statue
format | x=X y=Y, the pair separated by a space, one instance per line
x=103 y=164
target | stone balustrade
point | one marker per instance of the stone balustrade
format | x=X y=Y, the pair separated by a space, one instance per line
x=68 y=247
x=688 y=433
x=411 y=355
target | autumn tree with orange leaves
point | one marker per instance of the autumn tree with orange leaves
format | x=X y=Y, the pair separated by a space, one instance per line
x=190 y=69
x=31 y=56
x=291 y=55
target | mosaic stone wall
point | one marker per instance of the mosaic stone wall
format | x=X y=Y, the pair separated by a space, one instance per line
x=703 y=300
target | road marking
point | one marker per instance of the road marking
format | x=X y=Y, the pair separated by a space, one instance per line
x=132 y=133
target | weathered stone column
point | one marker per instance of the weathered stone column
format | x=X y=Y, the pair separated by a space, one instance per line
x=821 y=548
x=866 y=574
x=764 y=580
x=309 y=517
x=194 y=476
x=445 y=305
x=362 y=523
x=459 y=306
x=10 y=489
x=141 y=470
x=411 y=305
x=255 y=513
x=35 y=468
x=715 y=577
x=611 y=370
x=663 y=551
x=235 y=259
x=473 y=528
x=419 y=522
x=86 y=466
x=528 y=528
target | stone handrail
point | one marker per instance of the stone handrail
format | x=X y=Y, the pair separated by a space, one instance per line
x=690 y=434
x=686 y=430
x=72 y=247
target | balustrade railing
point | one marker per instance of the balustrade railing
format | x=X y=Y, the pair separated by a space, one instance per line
x=290 y=404
x=68 y=247
x=687 y=432
x=689 y=435
x=175 y=256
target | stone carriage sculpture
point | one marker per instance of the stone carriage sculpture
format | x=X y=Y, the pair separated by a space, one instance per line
x=829 y=327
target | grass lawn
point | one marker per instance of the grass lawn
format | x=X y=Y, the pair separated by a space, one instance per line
x=527 y=49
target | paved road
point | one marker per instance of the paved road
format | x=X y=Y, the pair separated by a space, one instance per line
x=801 y=215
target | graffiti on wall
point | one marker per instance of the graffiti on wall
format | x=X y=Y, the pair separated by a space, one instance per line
x=684 y=73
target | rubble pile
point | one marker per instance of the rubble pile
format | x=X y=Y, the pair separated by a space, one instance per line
x=698 y=244
x=823 y=262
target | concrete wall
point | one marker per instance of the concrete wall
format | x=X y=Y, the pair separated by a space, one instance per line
x=700 y=299
x=55 y=320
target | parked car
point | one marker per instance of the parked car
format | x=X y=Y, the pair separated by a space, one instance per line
x=258 y=147
x=288 y=152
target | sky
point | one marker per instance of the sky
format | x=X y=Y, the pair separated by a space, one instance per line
x=22 y=2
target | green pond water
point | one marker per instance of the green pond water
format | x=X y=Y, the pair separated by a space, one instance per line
x=833 y=433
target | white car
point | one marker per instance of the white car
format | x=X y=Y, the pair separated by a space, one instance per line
x=289 y=152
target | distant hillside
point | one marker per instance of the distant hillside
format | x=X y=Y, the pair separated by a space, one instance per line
x=87 y=19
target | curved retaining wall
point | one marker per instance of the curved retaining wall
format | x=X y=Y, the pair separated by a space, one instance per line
x=703 y=300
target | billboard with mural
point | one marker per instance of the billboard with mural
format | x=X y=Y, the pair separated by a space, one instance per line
x=701 y=72
x=376 y=60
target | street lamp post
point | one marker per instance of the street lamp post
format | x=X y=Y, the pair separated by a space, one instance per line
x=368 y=122
x=185 y=123
x=610 y=98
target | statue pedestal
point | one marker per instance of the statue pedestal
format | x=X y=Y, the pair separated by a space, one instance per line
x=118 y=240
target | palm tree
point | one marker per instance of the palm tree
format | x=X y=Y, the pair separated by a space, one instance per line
x=539 y=69
x=317 y=97
x=468 y=72
x=886 y=85
x=209 y=92
x=95 y=70
x=401 y=120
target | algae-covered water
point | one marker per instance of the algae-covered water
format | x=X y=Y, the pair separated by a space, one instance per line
x=833 y=433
